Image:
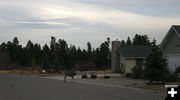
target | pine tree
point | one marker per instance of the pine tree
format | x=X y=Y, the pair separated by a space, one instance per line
x=156 y=66
x=89 y=49
x=103 y=55
x=129 y=41
x=123 y=43
x=141 y=40
x=63 y=53
x=15 y=41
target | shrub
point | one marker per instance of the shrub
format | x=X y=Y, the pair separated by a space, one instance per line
x=84 y=76
x=107 y=77
x=128 y=75
x=171 y=77
x=93 y=76
x=177 y=69
x=137 y=72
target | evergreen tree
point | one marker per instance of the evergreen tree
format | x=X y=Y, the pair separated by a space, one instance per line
x=45 y=57
x=89 y=49
x=104 y=52
x=156 y=66
x=52 y=55
x=53 y=43
x=56 y=66
x=15 y=51
x=123 y=43
x=45 y=63
x=4 y=56
x=129 y=41
x=141 y=40
x=73 y=54
x=15 y=41
x=29 y=45
x=28 y=54
x=37 y=54
x=63 y=53
x=46 y=49
x=79 y=54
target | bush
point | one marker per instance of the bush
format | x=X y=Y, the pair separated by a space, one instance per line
x=171 y=77
x=177 y=69
x=93 y=76
x=84 y=76
x=137 y=72
x=107 y=77
x=128 y=75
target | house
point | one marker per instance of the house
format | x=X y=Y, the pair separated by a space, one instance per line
x=170 y=46
x=124 y=58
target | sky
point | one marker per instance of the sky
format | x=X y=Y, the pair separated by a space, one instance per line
x=82 y=21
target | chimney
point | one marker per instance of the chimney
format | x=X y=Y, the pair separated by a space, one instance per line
x=114 y=56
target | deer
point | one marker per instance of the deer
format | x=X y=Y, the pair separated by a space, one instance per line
x=70 y=73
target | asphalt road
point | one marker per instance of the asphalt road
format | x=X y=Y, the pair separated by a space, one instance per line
x=15 y=87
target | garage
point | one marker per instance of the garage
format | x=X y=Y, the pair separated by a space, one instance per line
x=173 y=61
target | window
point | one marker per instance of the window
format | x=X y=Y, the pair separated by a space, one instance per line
x=139 y=62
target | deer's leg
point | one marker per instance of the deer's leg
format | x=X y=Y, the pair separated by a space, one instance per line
x=64 y=78
x=72 y=77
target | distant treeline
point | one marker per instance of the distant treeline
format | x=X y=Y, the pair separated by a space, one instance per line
x=59 y=56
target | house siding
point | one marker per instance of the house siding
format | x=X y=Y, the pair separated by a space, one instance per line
x=171 y=45
x=122 y=64
x=129 y=64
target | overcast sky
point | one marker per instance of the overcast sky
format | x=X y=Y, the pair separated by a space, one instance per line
x=80 y=21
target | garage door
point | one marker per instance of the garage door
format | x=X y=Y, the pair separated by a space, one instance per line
x=173 y=61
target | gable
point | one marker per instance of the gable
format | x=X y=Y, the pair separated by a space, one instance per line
x=172 y=44
x=174 y=30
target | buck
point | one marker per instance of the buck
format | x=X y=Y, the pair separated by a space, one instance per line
x=70 y=73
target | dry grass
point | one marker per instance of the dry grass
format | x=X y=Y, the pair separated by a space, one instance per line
x=28 y=72
x=37 y=73
x=153 y=87
x=157 y=87
x=46 y=75
x=96 y=72
x=4 y=71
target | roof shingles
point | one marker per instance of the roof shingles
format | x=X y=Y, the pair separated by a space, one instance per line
x=135 y=51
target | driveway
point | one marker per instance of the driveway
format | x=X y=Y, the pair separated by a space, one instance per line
x=16 y=87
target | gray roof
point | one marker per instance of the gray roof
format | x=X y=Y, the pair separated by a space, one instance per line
x=177 y=28
x=135 y=51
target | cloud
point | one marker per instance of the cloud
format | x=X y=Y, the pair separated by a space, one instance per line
x=86 y=20
x=49 y=23
x=106 y=16
x=82 y=12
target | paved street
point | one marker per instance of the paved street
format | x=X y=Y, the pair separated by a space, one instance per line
x=15 y=87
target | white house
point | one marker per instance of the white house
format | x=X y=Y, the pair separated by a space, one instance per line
x=124 y=58
x=171 y=47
